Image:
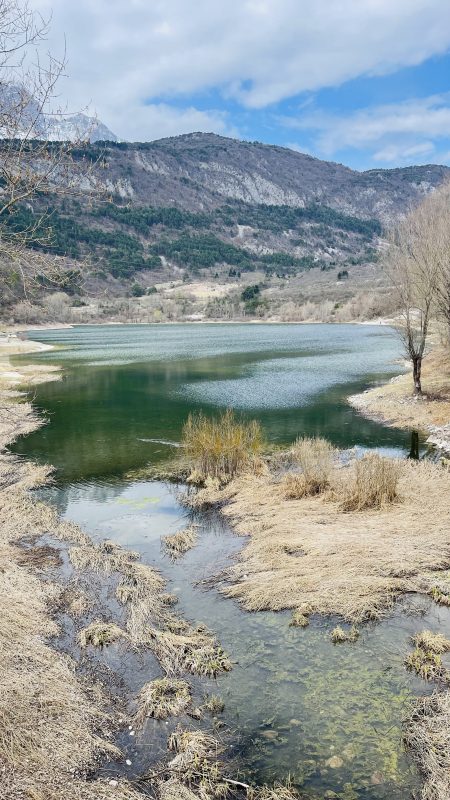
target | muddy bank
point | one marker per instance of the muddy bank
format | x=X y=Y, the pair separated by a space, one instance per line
x=394 y=403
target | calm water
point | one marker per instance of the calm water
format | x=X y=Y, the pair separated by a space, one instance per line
x=129 y=388
x=293 y=700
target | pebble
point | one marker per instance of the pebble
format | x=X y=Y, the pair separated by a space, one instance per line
x=128 y=762
x=270 y=734
x=113 y=783
x=335 y=762
x=377 y=778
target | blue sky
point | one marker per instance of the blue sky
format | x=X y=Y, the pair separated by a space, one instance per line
x=362 y=82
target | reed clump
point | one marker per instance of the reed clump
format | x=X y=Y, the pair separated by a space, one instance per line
x=433 y=642
x=193 y=650
x=427 y=735
x=315 y=456
x=339 y=635
x=426 y=664
x=100 y=634
x=162 y=698
x=299 y=619
x=221 y=447
x=196 y=762
x=214 y=704
x=177 y=544
x=375 y=484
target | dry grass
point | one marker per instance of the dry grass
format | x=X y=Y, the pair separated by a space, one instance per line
x=49 y=722
x=427 y=735
x=433 y=642
x=315 y=457
x=426 y=664
x=394 y=402
x=194 y=651
x=308 y=555
x=100 y=634
x=162 y=698
x=375 y=484
x=222 y=447
x=214 y=704
x=339 y=634
x=196 y=763
x=299 y=620
x=177 y=544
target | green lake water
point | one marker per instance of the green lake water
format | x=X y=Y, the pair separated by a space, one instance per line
x=293 y=700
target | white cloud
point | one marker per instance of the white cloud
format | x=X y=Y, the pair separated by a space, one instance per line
x=256 y=52
x=399 y=131
x=396 y=153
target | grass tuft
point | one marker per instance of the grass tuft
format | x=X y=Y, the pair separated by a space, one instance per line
x=100 y=634
x=177 y=544
x=221 y=447
x=425 y=663
x=432 y=642
x=339 y=635
x=375 y=484
x=162 y=698
x=214 y=704
x=299 y=620
x=195 y=651
x=315 y=457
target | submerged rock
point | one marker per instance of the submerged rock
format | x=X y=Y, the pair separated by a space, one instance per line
x=335 y=762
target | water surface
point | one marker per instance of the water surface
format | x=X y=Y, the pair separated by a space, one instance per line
x=293 y=700
x=129 y=388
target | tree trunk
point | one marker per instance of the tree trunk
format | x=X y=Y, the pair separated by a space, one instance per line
x=417 y=373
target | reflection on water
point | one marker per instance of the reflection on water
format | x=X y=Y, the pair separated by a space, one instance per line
x=127 y=390
x=329 y=716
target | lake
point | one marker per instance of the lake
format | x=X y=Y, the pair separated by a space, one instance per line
x=295 y=704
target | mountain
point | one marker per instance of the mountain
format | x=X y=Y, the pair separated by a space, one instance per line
x=200 y=171
x=21 y=116
x=76 y=128
x=205 y=204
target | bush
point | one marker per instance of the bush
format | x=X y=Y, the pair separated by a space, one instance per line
x=137 y=290
x=315 y=457
x=222 y=447
x=375 y=484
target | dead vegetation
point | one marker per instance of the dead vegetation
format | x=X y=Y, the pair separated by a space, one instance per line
x=162 y=698
x=308 y=555
x=433 y=642
x=315 y=457
x=375 y=484
x=177 y=544
x=49 y=722
x=426 y=664
x=427 y=735
x=339 y=634
x=100 y=634
x=221 y=447
x=299 y=619
x=194 y=650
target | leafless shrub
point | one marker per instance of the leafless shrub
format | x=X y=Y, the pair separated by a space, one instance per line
x=315 y=457
x=375 y=484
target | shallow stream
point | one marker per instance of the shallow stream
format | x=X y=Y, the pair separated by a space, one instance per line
x=295 y=704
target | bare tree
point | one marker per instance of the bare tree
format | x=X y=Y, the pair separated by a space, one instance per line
x=31 y=166
x=414 y=265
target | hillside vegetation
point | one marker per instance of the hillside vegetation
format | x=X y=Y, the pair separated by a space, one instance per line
x=204 y=208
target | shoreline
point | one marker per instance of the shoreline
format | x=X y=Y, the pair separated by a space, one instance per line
x=393 y=404
x=17 y=329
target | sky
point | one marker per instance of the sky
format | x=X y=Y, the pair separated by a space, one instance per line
x=362 y=82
